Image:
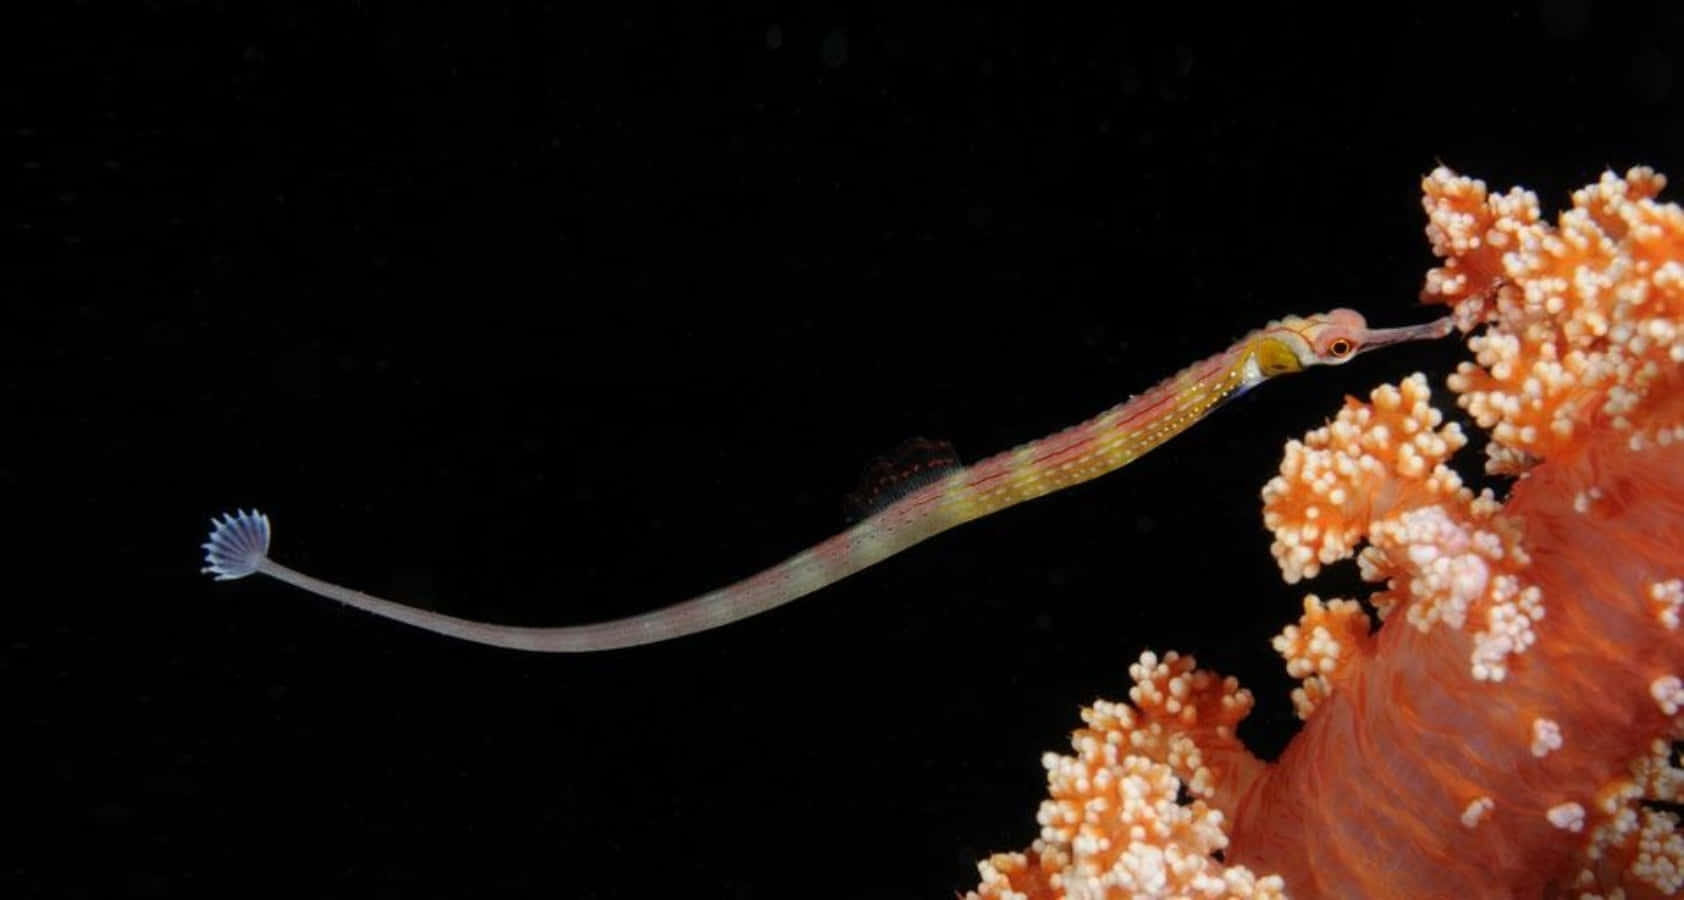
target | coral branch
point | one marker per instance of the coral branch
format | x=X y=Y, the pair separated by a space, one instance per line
x=1114 y=825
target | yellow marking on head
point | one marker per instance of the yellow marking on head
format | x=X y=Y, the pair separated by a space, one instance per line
x=1275 y=357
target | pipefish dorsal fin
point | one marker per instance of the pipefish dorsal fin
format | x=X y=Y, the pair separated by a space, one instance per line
x=915 y=463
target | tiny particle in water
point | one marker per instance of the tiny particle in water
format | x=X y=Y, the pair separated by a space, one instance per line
x=835 y=48
x=774 y=37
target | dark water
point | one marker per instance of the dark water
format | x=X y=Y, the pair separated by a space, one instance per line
x=542 y=316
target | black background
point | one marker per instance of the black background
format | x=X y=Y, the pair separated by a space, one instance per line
x=545 y=314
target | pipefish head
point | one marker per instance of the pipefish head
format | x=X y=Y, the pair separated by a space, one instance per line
x=1331 y=338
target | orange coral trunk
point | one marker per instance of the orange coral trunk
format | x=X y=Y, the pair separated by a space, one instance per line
x=1370 y=799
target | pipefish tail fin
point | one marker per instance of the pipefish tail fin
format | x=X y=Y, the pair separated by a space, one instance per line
x=238 y=545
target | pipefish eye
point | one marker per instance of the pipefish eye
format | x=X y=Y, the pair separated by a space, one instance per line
x=1340 y=347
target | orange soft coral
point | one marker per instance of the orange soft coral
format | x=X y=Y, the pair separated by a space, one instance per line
x=1587 y=329
x=1113 y=825
x=1501 y=733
